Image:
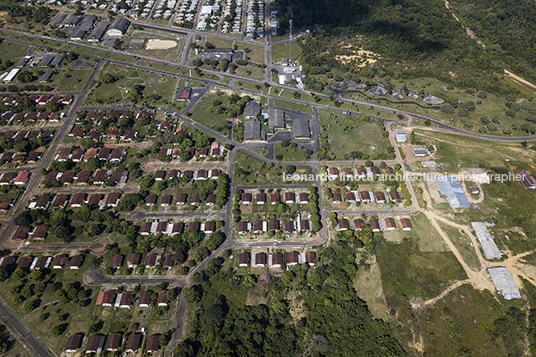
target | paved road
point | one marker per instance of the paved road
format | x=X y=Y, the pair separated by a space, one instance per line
x=23 y=331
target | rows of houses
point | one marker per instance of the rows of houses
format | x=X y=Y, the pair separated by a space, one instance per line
x=39 y=99
x=22 y=233
x=180 y=200
x=367 y=196
x=105 y=154
x=377 y=225
x=124 y=300
x=31 y=117
x=134 y=260
x=9 y=135
x=114 y=342
x=197 y=175
x=172 y=228
x=14 y=178
x=274 y=225
x=358 y=173
x=61 y=261
x=85 y=177
x=216 y=150
x=246 y=198
x=62 y=200
x=276 y=260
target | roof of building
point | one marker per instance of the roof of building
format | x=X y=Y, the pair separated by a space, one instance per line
x=291 y=257
x=486 y=241
x=310 y=257
x=153 y=342
x=162 y=298
x=117 y=261
x=260 y=258
x=252 y=130
x=252 y=109
x=145 y=297
x=134 y=341
x=114 y=341
x=300 y=127
x=243 y=258
x=74 y=341
x=93 y=343
x=504 y=283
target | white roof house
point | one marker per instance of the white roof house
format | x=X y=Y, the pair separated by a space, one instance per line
x=401 y=136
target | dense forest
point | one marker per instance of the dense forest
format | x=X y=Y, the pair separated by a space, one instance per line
x=308 y=311
x=416 y=39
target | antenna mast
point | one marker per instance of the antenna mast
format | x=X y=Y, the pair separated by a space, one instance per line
x=290 y=42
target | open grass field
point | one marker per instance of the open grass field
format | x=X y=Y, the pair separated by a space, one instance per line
x=368 y=285
x=462 y=243
x=346 y=133
x=74 y=83
x=293 y=106
x=466 y=320
x=102 y=54
x=291 y=153
x=282 y=50
x=423 y=233
x=409 y=272
x=454 y=150
x=12 y=52
x=157 y=90
x=252 y=171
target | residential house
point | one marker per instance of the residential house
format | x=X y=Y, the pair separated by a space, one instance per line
x=243 y=259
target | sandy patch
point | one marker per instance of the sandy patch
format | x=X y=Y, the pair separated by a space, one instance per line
x=365 y=57
x=156 y=44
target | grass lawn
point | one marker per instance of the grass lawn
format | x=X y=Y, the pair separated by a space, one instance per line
x=454 y=150
x=74 y=83
x=409 y=272
x=293 y=106
x=282 y=50
x=291 y=153
x=462 y=243
x=368 y=285
x=423 y=233
x=465 y=320
x=157 y=89
x=12 y=52
x=100 y=53
x=252 y=171
x=347 y=133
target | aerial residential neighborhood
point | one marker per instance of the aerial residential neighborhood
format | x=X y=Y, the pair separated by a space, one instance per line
x=271 y=178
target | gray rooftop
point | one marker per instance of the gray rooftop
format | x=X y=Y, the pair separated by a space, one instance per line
x=277 y=119
x=252 y=109
x=252 y=130
x=46 y=60
x=87 y=23
x=504 y=283
x=486 y=241
x=301 y=128
x=450 y=187
x=56 y=61
x=98 y=32
x=45 y=76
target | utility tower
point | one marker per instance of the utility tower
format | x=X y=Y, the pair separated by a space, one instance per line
x=290 y=41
